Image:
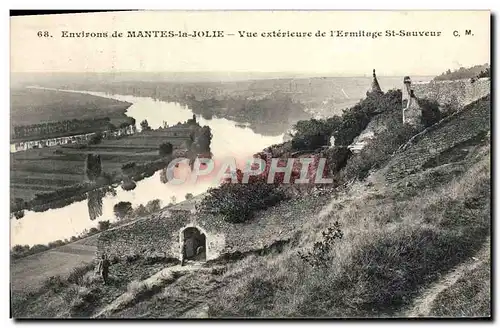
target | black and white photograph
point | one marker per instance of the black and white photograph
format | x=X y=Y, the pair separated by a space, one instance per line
x=250 y=164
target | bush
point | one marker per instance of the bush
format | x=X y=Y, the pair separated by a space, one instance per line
x=430 y=111
x=39 y=248
x=76 y=275
x=237 y=202
x=122 y=209
x=355 y=119
x=313 y=133
x=485 y=73
x=20 y=248
x=19 y=214
x=104 y=225
x=128 y=184
x=56 y=243
x=321 y=254
x=145 y=126
x=95 y=139
x=336 y=158
x=84 y=301
x=140 y=211
x=377 y=151
x=129 y=168
x=153 y=206
x=54 y=284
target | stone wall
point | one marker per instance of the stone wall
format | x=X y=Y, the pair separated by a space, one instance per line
x=161 y=232
x=471 y=121
x=458 y=92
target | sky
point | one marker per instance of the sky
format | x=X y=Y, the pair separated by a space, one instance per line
x=349 y=56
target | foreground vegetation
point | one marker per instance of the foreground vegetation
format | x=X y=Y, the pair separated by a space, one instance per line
x=82 y=291
x=394 y=243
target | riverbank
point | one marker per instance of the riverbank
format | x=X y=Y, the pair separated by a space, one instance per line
x=54 y=177
x=47 y=169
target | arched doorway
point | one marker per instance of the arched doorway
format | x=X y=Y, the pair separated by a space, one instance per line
x=194 y=244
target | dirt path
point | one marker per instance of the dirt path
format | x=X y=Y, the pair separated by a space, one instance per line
x=148 y=286
x=423 y=304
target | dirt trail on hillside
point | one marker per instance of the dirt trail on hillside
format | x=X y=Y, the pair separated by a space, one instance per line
x=423 y=304
x=148 y=286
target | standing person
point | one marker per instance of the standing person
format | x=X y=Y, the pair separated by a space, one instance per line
x=183 y=253
x=103 y=268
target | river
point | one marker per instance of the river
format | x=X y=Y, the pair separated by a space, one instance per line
x=228 y=140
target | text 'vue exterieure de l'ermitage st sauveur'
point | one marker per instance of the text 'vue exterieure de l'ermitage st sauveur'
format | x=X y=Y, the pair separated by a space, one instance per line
x=250 y=34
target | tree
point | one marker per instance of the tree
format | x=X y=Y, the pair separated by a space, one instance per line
x=140 y=211
x=104 y=225
x=93 y=167
x=312 y=134
x=17 y=204
x=203 y=139
x=166 y=148
x=128 y=169
x=430 y=111
x=173 y=199
x=128 y=184
x=95 y=139
x=111 y=127
x=145 y=126
x=122 y=209
x=153 y=206
x=188 y=196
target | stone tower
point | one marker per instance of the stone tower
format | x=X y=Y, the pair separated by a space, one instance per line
x=375 y=85
x=412 y=113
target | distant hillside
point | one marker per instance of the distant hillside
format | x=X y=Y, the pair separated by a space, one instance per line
x=462 y=73
x=33 y=106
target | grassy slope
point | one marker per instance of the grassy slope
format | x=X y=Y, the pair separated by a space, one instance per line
x=394 y=245
x=81 y=293
x=469 y=296
x=399 y=240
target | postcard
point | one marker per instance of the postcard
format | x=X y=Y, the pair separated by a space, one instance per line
x=250 y=164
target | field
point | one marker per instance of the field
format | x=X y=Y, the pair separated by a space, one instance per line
x=47 y=169
x=34 y=106
x=29 y=273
